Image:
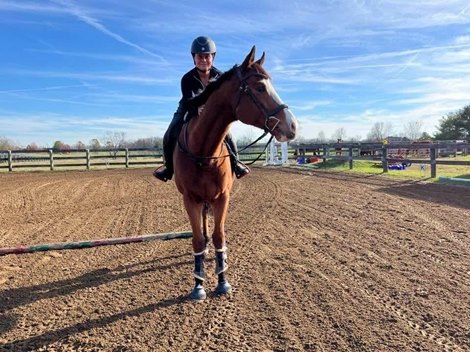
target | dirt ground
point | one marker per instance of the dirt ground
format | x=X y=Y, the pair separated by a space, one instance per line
x=318 y=261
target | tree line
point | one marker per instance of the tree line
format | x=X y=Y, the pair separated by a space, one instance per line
x=110 y=141
x=453 y=126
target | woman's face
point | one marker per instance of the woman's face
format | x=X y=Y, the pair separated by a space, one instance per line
x=203 y=61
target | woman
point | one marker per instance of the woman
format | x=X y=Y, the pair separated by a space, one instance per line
x=193 y=82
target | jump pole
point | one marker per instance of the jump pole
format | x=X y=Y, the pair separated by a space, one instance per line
x=92 y=243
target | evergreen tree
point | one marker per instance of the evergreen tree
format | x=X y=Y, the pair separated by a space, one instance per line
x=456 y=125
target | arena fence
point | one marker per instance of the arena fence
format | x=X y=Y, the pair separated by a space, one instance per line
x=422 y=153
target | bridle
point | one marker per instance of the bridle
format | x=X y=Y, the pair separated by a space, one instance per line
x=268 y=116
x=245 y=89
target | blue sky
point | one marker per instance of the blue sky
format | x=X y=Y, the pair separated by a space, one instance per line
x=76 y=70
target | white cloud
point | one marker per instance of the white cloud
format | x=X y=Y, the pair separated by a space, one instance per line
x=83 y=16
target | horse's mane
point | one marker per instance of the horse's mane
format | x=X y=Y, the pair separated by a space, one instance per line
x=202 y=97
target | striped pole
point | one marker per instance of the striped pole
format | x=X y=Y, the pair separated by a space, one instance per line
x=92 y=243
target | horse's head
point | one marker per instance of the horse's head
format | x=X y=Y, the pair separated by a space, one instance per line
x=259 y=104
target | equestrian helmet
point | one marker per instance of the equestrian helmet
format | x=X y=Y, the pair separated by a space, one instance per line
x=203 y=45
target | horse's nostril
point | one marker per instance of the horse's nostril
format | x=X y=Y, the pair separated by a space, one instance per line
x=293 y=126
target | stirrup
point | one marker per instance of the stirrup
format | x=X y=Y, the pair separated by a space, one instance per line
x=163 y=174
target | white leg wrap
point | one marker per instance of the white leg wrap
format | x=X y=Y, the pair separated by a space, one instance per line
x=198 y=276
x=221 y=260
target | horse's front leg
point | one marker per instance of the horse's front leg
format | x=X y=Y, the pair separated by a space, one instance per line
x=205 y=226
x=194 y=211
x=220 y=208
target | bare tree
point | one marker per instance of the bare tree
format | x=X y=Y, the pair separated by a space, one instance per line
x=95 y=144
x=32 y=146
x=150 y=142
x=321 y=138
x=356 y=138
x=339 y=134
x=80 y=145
x=114 y=141
x=247 y=138
x=413 y=129
x=379 y=131
x=7 y=144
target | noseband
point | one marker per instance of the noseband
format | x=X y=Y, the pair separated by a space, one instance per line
x=245 y=89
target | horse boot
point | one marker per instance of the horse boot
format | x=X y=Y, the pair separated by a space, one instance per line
x=198 y=293
x=223 y=287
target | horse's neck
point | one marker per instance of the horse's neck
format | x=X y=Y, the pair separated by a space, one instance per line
x=208 y=130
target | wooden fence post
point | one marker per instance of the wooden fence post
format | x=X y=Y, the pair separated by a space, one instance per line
x=384 y=159
x=326 y=154
x=51 y=160
x=350 y=158
x=10 y=161
x=88 y=162
x=432 y=154
x=127 y=158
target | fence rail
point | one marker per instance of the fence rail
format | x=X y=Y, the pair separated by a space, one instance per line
x=422 y=153
x=47 y=158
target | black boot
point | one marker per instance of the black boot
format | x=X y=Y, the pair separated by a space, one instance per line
x=223 y=287
x=198 y=292
x=165 y=172
x=238 y=167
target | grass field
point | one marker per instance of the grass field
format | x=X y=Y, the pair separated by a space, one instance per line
x=414 y=171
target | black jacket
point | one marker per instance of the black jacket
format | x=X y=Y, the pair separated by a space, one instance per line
x=191 y=85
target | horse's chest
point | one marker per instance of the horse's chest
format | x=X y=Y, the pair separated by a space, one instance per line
x=205 y=184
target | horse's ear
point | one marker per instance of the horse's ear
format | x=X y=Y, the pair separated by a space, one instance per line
x=261 y=60
x=250 y=59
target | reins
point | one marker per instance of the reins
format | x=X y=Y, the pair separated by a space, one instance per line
x=268 y=115
x=198 y=158
x=194 y=157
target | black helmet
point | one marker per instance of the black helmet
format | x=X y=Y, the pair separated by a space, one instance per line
x=203 y=45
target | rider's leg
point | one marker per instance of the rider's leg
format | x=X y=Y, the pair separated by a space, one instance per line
x=238 y=167
x=165 y=172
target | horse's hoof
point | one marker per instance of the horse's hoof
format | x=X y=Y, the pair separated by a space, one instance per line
x=223 y=288
x=198 y=293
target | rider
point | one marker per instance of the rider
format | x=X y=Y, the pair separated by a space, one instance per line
x=193 y=82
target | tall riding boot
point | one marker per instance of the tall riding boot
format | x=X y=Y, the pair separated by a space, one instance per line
x=198 y=292
x=221 y=266
x=238 y=167
x=165 y=172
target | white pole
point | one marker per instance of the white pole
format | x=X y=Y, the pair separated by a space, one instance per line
x=284 y=153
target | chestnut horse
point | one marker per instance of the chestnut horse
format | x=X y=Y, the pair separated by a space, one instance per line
x=203 y=172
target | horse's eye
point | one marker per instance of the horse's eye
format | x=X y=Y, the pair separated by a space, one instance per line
x=260 y=88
